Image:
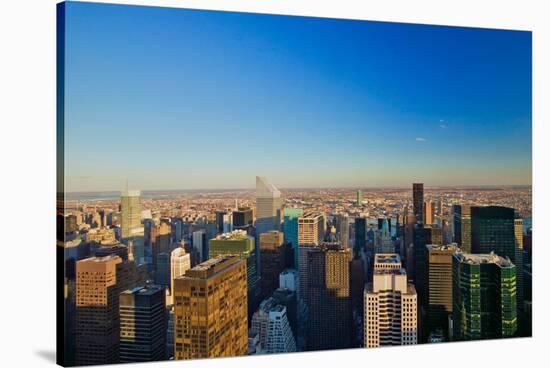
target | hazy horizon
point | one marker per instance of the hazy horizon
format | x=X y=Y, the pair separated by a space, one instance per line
x=177 y=99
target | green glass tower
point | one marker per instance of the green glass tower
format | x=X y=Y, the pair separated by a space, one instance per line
x=484 y=297
x=237 y=243
x=290 y=229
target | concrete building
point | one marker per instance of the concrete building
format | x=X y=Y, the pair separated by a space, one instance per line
x=269 y=206
x=180 y=262
x=273 y=256
x=390 y=307
x=311 y=229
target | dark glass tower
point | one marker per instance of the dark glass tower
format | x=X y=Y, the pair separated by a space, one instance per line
x=493 y=231
x=484 y=297
x=360 y=232
x=418 y=201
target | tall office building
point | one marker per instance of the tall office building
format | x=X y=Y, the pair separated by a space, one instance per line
x=130 y=205
x=142 y=324
x=462 y=224
x=518 y=233
x=268 y=206
x=131 y=227
x=97 y=315
x=273 y=327
x=429 y=212
x=311 y=228
x=493 y=231
x=484 y=297
x=162 y=272
x=200 y=244
x=383 y=240
x=215 y=294
x=440 y=286
x=224 y=221
x=329 y=297
x=239 y=243
x=243 y=217
x=162 y=234
x=273 y=259
x=180 y=262
x=343 y=230
x=359 y=200
x=422 y=237
x=390 y=305
x=290 y=229
x=360 y=233
x=418 y=201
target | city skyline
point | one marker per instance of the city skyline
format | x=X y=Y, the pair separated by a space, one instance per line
x=152 y=98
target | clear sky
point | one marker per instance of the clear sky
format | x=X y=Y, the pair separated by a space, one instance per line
x=186 y=99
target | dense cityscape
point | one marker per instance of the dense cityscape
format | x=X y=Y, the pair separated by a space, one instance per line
x=159 y=275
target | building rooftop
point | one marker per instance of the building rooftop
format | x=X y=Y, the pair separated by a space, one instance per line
x=448 y=247
x=387 y=258
x=484 y=259
x=143 y=290
x=233 y=235
x=311 y=215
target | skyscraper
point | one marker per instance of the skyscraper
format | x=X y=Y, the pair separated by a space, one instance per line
x=484 y=297
x=215 y=293
x=418 y=201
x=329 y=297
x=493 y=231
x=360 y=233
x=359 y=200
x=290 y=229
x=97 y=315
x=142 y=324
x=239 y=243
x=440 y=286
x=462 y=223
x=180 y=262
x=390 y=305
x=429 y=212
x=280 y=338
x=343 y=230
x=311 y=228
x=268 y=206
x=518 y=233
x=243 y=217
x=131 y=227
x=130 y=205
x=273 y=259
x=200 y=244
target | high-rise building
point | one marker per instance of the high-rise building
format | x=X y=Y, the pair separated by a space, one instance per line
x=131 y=227
x=239 y=243
x=440 y=286
x=273 y=259
x=130 y=205
x=215 y=294
x=243 y=217
x=162 y=273
x=484 y=297
x=429 y=212
x=142 y=324
x=180 y=262
x=329 y=299
x=359 y=201
x=200 y=244
x=418 y=201
x=422 y=237
x=383 y=240
x=311 y=228
x=97 y=315
x=493 y=231
x=343 y=230
x=268 y=206
x=273 y=327
x=360 y=233
x=161 y=241
x=518 y=233
x=390 y=306
x=462 y=224
x=224 y=221
x=290 y=229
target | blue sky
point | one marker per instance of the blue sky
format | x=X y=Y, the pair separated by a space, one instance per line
x=185 y=99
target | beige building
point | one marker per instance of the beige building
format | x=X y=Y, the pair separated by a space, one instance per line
x=210 y=310
x=518 y=233
x=387 y=261
x=311 y=229
x=97 y=315
x=390 y=307
x=180 y=262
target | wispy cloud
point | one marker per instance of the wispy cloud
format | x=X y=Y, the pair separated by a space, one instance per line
x=442 y=126
x=420 y=139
